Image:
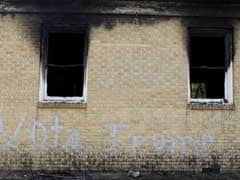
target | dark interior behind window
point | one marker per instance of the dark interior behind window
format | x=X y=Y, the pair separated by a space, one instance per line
x=207 y=66
x=65 y=65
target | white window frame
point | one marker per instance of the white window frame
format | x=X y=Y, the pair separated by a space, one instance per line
x=228 y=80
x=43 y=97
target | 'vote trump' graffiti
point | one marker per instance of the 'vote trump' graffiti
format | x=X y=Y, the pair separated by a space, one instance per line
x=160 y=143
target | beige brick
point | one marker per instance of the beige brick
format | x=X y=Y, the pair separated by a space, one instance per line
x=137 y=77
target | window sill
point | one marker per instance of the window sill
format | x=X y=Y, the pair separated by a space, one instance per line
x=211 y=106
x=80 y=105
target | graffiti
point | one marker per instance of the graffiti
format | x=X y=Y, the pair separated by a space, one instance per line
x=73 y=141
x=56 y=128
x=41 y=143
x=161 y=144
x=184 y=141
x=135 y=143
x=115 y=128
x=8 y=142
x=207 y=142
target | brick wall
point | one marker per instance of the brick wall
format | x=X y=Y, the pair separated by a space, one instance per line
x=136 y=116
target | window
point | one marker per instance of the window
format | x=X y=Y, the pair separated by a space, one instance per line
x=210 y=52
x=63 y=76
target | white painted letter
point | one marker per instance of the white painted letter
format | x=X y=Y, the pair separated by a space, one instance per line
x=56 y=129
x=159 y=143
x=73 y=142
x=207 y=141
x=135 y=144
x=8 y=142
x=39 y=144
x=184 y=141
x=114 y=131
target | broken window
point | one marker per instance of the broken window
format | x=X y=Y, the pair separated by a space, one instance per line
x=64 y=66
x=210 y=65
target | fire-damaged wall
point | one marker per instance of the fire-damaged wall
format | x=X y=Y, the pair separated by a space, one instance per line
x=137 y=113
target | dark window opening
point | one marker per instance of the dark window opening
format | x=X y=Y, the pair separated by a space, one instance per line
x=65 y=64
x=207 y=66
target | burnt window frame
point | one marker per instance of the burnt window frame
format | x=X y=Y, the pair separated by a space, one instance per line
x=46 y=30
x=227 y=33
